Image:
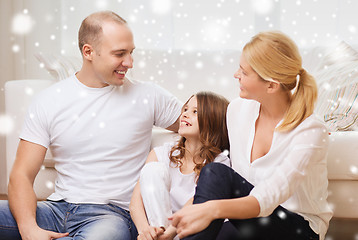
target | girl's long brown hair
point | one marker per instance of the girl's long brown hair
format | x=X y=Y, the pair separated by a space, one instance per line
x=211 y=109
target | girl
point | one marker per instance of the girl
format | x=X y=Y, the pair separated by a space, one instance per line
x=277 y=188
x=168 y=179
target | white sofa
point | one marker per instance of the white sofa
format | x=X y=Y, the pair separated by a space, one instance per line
x=342 y=155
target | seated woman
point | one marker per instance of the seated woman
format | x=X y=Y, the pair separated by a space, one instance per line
x=277 y=188
x=169 y=177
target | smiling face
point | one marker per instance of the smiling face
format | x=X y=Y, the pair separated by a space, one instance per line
x=189 y=125
x=251 y=84
x=112 y=56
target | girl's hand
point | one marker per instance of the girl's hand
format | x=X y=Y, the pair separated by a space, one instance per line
x=192 y=219
x=168 y=234
x=150 y=233
x=165 y=236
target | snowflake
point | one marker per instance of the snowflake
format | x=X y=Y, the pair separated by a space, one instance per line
x=282 y=215
x=161 y=6
x=101 y=4
x=199 y=64
x=29 y=91
x=352 y=29
x=262 y=6
x=132 y=18
x=328 y=237
x=354 y=169
x=264 y=221
x=213 y=32
x=183 y=75
x=49 y=185
x=102 y=125
x=22 y=23
x=226 y=152
x=6 y=124
x=142 y=64
x=15 y=48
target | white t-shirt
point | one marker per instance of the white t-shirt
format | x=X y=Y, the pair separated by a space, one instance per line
x=292 y=174
x=99 y=137
x=182 y=186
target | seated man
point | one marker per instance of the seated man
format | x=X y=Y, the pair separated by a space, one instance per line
x=98 y=125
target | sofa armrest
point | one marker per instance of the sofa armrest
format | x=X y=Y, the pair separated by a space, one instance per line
x=161 y=136
x=18 y=95
x=343 y=155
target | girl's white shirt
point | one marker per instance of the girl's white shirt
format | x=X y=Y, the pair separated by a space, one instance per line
x=182 y=186
x=292 y=174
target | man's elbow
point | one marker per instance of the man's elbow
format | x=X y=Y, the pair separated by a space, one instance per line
x=17 y=179
x=174 y=127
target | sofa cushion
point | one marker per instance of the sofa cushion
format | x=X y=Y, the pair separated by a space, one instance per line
x=337 y=78
x=59 y=66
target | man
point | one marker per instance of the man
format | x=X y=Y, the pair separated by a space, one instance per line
x=98 y=126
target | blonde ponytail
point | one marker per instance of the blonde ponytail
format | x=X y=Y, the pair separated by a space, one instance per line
x=302 y=102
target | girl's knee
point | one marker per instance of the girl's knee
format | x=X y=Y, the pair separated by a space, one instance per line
x=155 y=171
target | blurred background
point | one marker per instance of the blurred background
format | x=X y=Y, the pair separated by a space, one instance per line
x=183 y=45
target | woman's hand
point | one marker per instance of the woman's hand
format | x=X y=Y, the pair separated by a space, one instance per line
x=150 y=233
x=193 y=218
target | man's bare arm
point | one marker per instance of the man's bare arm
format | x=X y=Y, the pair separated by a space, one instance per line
x=174 y=127
x=22 y=198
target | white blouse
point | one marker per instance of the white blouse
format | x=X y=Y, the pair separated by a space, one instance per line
x=292 y=174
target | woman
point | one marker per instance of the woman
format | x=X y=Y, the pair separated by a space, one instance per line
x=278 y=186
x=168 y=179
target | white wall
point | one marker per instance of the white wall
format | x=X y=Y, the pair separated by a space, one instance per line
x=7 y=73
x=17 y=50
x=206 y=34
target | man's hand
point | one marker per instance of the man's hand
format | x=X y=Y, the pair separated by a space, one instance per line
x=150 y=233
x=41 y=234
x=192 y=219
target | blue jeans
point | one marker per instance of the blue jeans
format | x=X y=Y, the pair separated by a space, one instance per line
x=82 y=221
x=217 y=181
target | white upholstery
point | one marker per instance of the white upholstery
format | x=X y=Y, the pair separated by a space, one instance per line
x=343 y=198
x=342 y=154
x=343 y=174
